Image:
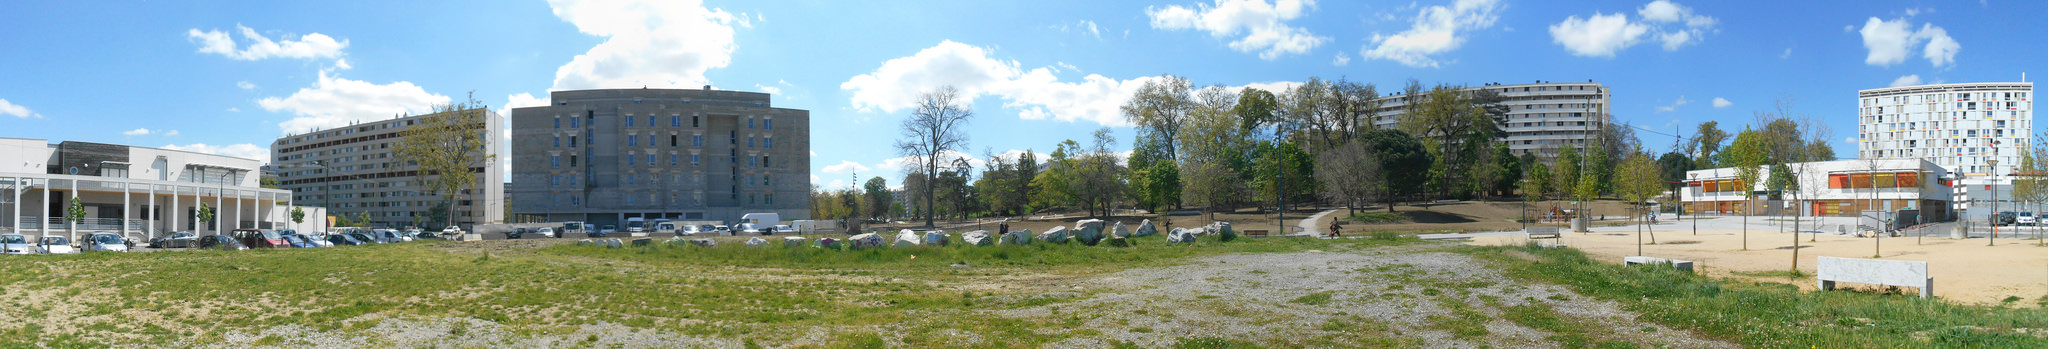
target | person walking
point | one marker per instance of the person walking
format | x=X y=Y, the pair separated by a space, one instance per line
x=1003 y=227
x=1336 y=231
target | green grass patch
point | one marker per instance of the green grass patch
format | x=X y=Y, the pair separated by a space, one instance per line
x=1565 y=332
x=1464 y=322
x=1784 y=274
x=1318 y=298
x=1774 y=315
x=1377 y=217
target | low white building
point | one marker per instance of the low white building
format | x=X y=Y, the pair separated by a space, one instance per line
x=1827 y=188
x=136 y=191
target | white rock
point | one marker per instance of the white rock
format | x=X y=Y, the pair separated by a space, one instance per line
x=792 y=241
x=756 y=242
x=976 y=238
x=1120 y=231
x=704 y=242
x=1057 y=235
x=907 y=238
x=1181 y=235
x=1088 y=231
x=864 y=240
x=1019 y=237
x=613 y=243
x=935 y=238
x=1145 y=228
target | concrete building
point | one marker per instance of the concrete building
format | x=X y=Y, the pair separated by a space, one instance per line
x=1542 y=117
x=603 y=156
x=1831 y=188
x=355 y=170
x=1967 y=127
x=138 y=192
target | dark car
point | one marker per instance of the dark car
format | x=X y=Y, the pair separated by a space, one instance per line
x=2005 y=218
x=261 y=238
x=366 y=238
x=298 y=241
x=175 y=240
x=221 y=242
x=515 y=233
x=344 y=240
x=429 y=235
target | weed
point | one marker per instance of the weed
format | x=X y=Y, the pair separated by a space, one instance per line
x=1318 y=298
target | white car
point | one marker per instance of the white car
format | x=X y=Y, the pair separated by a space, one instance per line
x=548 y=232
x=690 y=230
x=105 y=242
x=17 y=244
x=451 y=232
x=2025 y=218
x=56 y=245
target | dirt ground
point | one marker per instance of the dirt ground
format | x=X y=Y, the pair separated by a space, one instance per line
x=1242 y=220
x=1964 y=270
x=1468 y=216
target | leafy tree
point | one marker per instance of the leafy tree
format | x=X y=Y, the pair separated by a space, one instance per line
x=881 y=202
x=1538 y=185
x=1396 y=150
x=447 y=148
x=1706 y=142
x=1748 y=158
x=270 y=182
x=1674 y=166
x=1566 y=170
x=1155 y=179
x=298 y=215
x=1502 y=174
x=1214 y=152
x=205 y=215
x=1640 y=181
x=1161 y=106
x=1098 y=177
x=935 y=128
x=1457 y=126
x=1055 y=182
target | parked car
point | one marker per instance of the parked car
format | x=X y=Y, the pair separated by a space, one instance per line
x=105 y=242
x=56 y=245
x=261 y=238
x=344 y=240
x=317 y=240
x=391 y=236
x=221 y=242
x=2005 y=218
x=722 y=229
x=785 y=228
x=410 y=234
x=175 y=240
x=17 y=244
x=608 y=228
x=691 y=230
x=297 y=241
x=594 y=234
x=547 y=232
x=368 y=238
x=515 y=233
x=2025 y=218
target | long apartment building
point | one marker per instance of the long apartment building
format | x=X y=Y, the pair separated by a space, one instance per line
x=1543 y=117
x=138 y=192
x=605 y=156
x=356 y=170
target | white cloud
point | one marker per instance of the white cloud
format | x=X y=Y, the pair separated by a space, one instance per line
x=136 y=132
x=1674 y=105
x=521 y=100
x=665 y=43
x=1435 y=30
x=9 y=108
x=1891 y=42
x=946 y=160
x=1787 y=54
x=334 y=101
x=1082 y=26
x=245 y=85
x=171 y=133
x=1722 y=102
x=836 y=183
x=1262 y=24
x=234 y=110
x=1604 y=35
x=1908 y=80
x=1342 y=59
x=846 y=167
x=245 y=151
x=769 y=89
x=1065 y=66
x=1037 y=93
x=313 y=45
x=343 y=64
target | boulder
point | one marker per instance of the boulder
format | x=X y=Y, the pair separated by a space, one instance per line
x=1223 y=231
x=585 y=242
x=830 y=243
x=977 y=238
x=792 y=241
x=643 y=241
x=1019 y=237
x=1088 y=231
x=1117 y=242
x=864 y=240
x=1119 y=231
x=756 y=242
x=1145 y=228
x=613 y=243
x=1056 y=235
x=935 y=238
x=1181 y=235
x=704 y=242
x=907 y=238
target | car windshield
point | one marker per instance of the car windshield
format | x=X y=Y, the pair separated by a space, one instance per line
x=572 y=226
x=181 y=236
x=14 y=239
x=56 y=240
x=110 y=239
x=293 y=238
x=268 y=234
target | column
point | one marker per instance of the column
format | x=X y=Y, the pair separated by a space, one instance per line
x=150 y=214
x=125 y=211
x=219 y=198
x=43 y=218
x=174 y=209
x=70 y=225
x=238 y=209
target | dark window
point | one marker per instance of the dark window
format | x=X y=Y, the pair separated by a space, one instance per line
x=693 y=121
x=672 y=141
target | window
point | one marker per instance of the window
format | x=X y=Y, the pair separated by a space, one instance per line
x=697 y=140
x=751 y=162
x=650 y=160
x=629 y=121
x=572 y=141
x=558 y=141
x=671 y=159
x=572 y=161
x=632 y=140
x=555 y=161
x=629 y=181
x=765 y=162
x=750 y=142
x=750 y=124
x=589 y=136
x=558 y=122
x=575 y=123
x=770 y=142
x=631 y=160
x=650 y=140
x=693 y=159
x=693 y=121
x=675 y=120
x=768 y=124
x=554 y=181
x=650 y=121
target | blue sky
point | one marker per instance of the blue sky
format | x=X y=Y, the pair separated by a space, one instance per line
x=230 y=77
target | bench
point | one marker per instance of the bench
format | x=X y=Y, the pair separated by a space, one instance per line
x=1542 y=232
x=1875 y=271
x=1255 y=232
x=1680 y=264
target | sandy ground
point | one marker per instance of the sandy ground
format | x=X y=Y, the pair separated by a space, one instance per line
x=1965 y=270
x=1241 y=220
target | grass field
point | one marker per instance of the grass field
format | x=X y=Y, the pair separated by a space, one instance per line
x=766 y=294
x=1775 y=315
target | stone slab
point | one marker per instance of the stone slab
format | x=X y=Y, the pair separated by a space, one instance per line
x=1876 y=272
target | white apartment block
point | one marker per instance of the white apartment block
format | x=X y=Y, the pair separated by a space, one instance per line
x=134 y=191
x=355 y=169
x=1958 y=126
x=1542 y=117
x=1829 y=188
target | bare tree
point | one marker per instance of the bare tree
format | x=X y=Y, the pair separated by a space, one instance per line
x=1349 y=174
x=445 y=151
x=937 y=126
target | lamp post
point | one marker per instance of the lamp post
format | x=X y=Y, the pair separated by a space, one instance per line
x=1695 y=221
x=1993 y=187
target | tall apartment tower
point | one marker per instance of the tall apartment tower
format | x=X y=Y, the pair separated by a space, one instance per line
x=1958 y=126
x=604 y=156
x=1542 y=118
x=355 y=169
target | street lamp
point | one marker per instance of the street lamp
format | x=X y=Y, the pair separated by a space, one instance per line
x=1993 y=187
x=1695 y=221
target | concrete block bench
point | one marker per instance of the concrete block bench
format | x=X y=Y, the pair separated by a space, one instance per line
x=1542 y=232
x=1876 y=272
x=1255 y=232
x=1680 y=264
